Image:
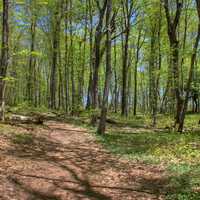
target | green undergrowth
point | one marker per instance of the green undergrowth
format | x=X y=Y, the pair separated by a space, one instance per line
x=22 y=139
x=154 y=147
x=15 y=136
x=26 y=109
x=133 y=138
x=178 y=153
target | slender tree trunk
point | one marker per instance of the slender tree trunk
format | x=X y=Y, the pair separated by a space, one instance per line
x=4 y=57
x=71 y=59
x=83 y=62
x=56 y=34
x=115 y=76
x=127 y=8
x=153 y=78
x=184 y=47
x=174 y=48
x=30 y=86
x=191 y=71
x=89 y=90
x=60 y=83
x=67 y=75
x=97 y=56
x=104 y=106
x=135 y=72
x=124 y=106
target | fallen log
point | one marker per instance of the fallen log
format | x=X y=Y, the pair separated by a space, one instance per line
x=26 y=119
x=95 y=118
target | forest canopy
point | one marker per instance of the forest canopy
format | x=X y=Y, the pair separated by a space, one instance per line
x=121 y=56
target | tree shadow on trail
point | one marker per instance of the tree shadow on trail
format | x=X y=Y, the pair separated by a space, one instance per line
x=80 y=173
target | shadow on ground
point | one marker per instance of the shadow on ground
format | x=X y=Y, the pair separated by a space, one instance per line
x=65 y=163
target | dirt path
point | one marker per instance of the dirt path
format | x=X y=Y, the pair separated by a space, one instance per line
x=65 y=163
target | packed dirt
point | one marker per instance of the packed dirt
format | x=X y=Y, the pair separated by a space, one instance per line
x=65 y=162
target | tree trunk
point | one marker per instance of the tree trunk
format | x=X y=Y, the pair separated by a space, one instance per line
x=71 y=59
x=4 y=57
x=124 y=102
x=97 y=56
x=127 y=15
x=115 y=76
x=67 y=76
x=135 y=72
x=174 y=61
x=31 y=60
x=104 y=106
x=56 y=34
x=190 y=76
x=89 y=89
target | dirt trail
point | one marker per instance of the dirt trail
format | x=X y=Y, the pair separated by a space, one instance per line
x=65 y=163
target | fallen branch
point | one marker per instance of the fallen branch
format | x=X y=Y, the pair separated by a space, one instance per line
x=95 y=118
x=38 y=119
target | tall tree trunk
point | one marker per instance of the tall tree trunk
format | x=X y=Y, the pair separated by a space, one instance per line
x=174 y=48
x=115 y=77
x=83 y=62
x=104 y=106
x=71 y=59
x=124 y=105
x=127 y=8
x=97 y=55
x=135 y=72
x=30 y=86
x=190 y=75
x=152 y=74
x=67 y=75
x=56 y=35
x=60 y=82
x=184 y=47
x=4 y=57
x=89 y=90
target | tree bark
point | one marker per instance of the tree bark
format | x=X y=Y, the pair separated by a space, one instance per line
x=31 y=59
x=191 y=72
x=4 y=57
x=89 y=90
x=67 y=75
x=97 y=55
x=104 y=106
x=174 y=48
x=56 y=35
x=135 y=72
x=127 y=14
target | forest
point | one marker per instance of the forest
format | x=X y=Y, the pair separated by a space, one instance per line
x=99 y=99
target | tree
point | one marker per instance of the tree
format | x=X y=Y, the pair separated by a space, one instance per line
x=4 y=56
x=97 y=52
x=55 y=44
x=32 y=62
x=191 y=72
x=127 y=15
x=104 y=106
x=174 y=70
x=138 y=47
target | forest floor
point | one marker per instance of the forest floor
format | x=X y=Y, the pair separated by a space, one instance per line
x=62 y=160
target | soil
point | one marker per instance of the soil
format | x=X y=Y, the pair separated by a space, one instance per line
x=64 y=162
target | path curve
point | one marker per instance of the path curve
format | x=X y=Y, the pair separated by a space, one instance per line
x=66 y=163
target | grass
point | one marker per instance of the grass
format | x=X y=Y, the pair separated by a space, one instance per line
x=179 y=153
x=16 y=136
x=134 y=139
x=22 y=139
x=154 y=147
